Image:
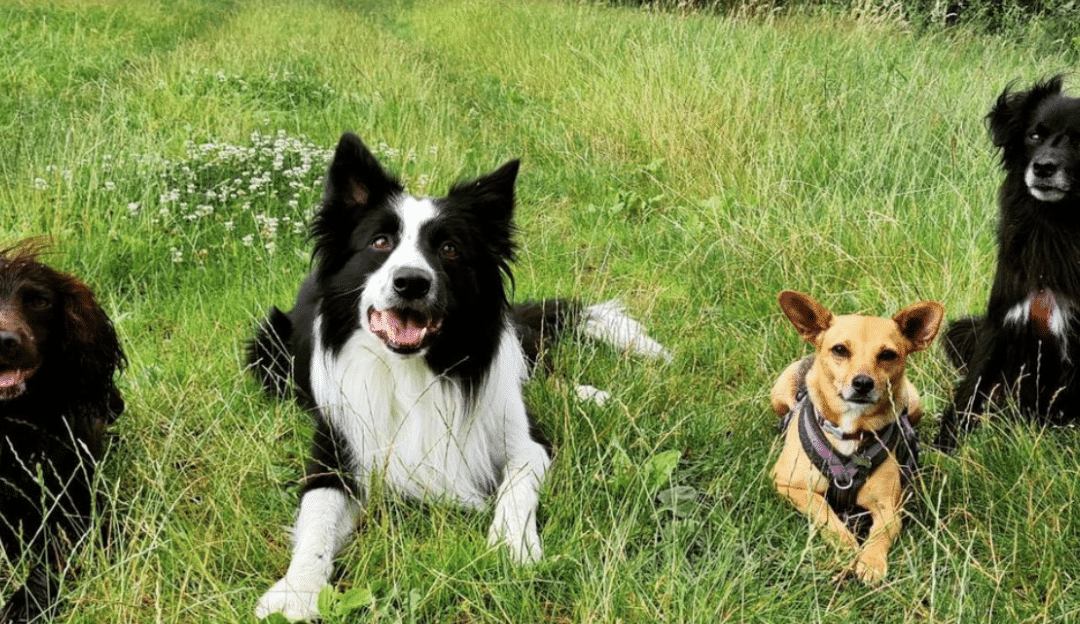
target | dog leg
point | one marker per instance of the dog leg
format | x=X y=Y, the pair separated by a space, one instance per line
x=971 y=394
x=326 y=520
x=814 y=506
x=36 y=601
x=873 y=562
x=969 y=402
x=516 y=502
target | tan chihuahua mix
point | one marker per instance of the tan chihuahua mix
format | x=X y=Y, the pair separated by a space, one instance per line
x=849 y=411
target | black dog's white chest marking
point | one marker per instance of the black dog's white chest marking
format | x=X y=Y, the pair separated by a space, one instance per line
x=1046 y=312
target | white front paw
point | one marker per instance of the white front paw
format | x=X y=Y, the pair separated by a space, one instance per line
x=297 y=601
x=523 y=544
x=592 y=393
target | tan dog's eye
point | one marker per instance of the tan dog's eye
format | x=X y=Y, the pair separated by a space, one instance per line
x=888 y=355
x=840 y=351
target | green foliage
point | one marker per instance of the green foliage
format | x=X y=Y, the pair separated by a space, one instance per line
x=1044 y=23
x=689 y=163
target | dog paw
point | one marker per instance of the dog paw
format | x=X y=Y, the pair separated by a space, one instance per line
x=591 y=393
x=871 y=571
x=523 y=546
x=294 y=600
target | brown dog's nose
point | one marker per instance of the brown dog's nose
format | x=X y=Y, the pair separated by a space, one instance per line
x=9 y=344
x=863 y=384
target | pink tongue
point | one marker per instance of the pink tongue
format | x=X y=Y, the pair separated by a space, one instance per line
x=10 y=378
x=407 y=332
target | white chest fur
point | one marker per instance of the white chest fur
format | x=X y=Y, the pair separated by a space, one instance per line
x=1046 y=311
x=413 y=429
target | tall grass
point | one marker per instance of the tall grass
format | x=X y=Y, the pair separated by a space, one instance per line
x=689 y=164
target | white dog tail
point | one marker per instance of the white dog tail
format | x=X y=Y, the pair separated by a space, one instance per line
x=541 y=324
x=609 y=323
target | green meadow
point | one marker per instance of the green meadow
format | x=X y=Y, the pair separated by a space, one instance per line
x=689 y=164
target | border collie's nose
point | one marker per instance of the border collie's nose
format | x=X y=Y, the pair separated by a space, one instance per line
x=863 y=384
x=410 y=283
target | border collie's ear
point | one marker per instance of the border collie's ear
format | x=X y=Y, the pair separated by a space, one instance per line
x=808 y=316
x=1008 y=119
x=355 y=177
x=493 y=194
x=919 y=323
x=354 y=182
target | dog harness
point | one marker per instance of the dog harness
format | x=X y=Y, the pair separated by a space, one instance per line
x=848 y=473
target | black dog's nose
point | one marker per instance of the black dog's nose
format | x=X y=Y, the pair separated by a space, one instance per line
x=862 y=384
x=1044 y=168
x=411 y=283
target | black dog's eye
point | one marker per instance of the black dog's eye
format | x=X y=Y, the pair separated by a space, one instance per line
x=888 y=355
x=840 y=351
x=448 y=251
x=382 y=243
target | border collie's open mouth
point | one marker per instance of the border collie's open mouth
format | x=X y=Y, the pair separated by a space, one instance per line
x=402 y=330
x=13 y=382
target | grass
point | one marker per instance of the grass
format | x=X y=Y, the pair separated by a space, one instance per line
x=690 y=165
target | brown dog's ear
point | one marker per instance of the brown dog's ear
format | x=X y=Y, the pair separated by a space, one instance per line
x=919 y=323
x=808 y=316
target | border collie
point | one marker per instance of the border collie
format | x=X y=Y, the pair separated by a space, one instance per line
x=1026 y=348
x=404 y=346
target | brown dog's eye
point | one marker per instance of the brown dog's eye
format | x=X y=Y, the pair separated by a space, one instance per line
x=887 y=355
x=37 y=302
x=840 y=351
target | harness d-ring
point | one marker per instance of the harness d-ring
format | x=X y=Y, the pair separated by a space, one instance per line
x=851 y=481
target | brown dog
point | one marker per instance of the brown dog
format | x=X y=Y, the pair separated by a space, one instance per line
x=849 y=410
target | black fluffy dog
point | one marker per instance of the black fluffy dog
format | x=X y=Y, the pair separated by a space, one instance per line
x=58 y=355
x=1026 y=349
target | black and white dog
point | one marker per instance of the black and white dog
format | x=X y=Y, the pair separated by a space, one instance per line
x=1027 y=346
x=404 y=346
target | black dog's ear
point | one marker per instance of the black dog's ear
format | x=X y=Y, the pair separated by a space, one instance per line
x=1007 y=120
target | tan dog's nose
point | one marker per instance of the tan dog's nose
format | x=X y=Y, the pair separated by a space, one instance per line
x=863 y=384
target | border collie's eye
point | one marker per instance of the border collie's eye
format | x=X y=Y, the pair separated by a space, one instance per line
x=448 y=251
x=840 y=351
x=1034 y=137
x=382 y=243
x=888 y=355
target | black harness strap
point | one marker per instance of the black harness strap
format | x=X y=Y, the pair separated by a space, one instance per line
x=848 y=473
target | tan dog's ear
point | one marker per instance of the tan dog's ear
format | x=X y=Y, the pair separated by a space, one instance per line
x=808 y=316
x=919 y=323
